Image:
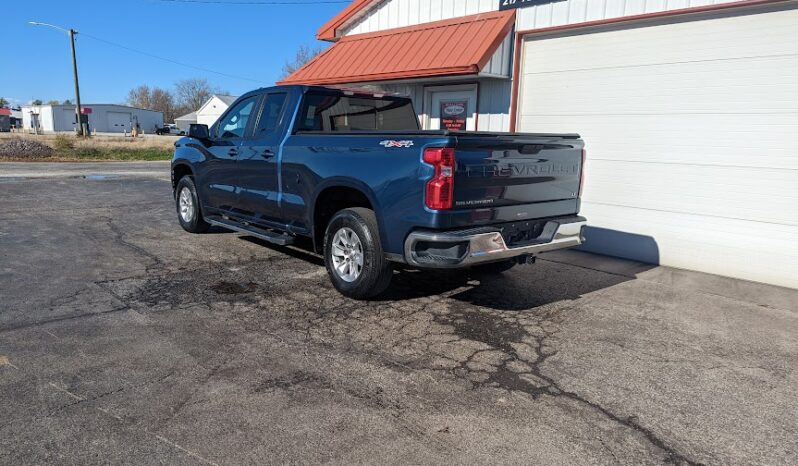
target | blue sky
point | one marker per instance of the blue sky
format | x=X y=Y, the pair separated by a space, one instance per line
x=251 y=41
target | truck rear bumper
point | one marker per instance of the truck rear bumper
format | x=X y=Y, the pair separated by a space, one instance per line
x=464 y=248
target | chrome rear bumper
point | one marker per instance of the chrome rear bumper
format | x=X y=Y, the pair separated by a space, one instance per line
x=464 y=248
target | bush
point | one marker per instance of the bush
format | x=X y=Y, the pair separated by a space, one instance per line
x=64 y=143
x=22 y=148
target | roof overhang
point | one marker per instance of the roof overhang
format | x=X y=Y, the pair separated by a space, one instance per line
x=329 y=30
x=459 y=46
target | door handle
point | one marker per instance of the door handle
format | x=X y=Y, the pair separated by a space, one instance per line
x=232 y=152
x=267 y=154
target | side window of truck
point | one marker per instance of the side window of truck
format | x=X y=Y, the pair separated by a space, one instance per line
x=340 y=113
x=271 y=114
x=235 y=121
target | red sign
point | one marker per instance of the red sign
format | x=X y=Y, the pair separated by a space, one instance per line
x=85 y=110
x=454 y=115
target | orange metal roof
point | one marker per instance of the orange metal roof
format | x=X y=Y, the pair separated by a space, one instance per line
x=327 y=31
x=451 y=47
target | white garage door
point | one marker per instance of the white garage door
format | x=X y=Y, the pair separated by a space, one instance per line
x=692 y=137
x=118 y=122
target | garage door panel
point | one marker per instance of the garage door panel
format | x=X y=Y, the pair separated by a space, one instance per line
x=742 y=36
x=735 y=140
x=690 y=131
x=731 y=192
x=748 y=250
x=744 y=86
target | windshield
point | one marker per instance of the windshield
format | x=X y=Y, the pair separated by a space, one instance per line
x=340 y=113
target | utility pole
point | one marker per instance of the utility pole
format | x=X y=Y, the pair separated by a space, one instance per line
x=82 y=130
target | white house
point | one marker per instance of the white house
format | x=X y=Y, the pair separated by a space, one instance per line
x=213 y=108
x=689 y=108
x=104 y=118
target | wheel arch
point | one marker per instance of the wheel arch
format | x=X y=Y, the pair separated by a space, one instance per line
x=336 y=194
x=179 y=170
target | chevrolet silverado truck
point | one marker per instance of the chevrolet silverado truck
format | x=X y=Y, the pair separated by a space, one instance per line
x=352 y=171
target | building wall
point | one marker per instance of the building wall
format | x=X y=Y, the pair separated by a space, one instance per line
x=184 y=124
x=211 y=111
x=495 y=94
x=45 y=117
x=61 y=118
x=398 y=13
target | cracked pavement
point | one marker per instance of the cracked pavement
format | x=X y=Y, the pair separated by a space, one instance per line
x=124 y=340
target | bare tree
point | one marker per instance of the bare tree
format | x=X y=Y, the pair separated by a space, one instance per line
x=163 y=101
x=140 y=97
x=3 y=102
x=303 y=55
x=193 y=93
x=53 y=102
x=155 y=98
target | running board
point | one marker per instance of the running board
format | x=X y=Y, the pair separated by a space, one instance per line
x=266 y=235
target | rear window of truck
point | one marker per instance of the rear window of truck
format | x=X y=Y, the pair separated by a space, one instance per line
x=341 y=113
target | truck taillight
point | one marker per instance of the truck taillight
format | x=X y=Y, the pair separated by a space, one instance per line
x=440 y=189
x=582 y=172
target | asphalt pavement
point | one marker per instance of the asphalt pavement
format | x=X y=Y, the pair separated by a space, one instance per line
x=125 y=340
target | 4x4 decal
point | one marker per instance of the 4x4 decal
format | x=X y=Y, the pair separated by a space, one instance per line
x=391 y=143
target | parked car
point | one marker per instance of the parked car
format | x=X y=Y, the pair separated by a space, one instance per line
x=169 y=129
x=352 y=171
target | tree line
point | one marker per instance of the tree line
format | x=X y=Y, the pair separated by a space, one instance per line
x=187 y=96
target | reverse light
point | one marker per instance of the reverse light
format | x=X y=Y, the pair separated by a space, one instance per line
x=440 y=189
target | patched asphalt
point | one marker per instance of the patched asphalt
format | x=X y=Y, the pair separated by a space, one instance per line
x=125 y=340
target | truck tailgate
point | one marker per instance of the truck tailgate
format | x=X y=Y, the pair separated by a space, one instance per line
x=509 y=170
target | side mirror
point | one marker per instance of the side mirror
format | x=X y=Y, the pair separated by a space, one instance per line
x=197 y=131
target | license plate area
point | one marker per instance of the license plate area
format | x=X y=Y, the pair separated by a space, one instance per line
x=522 y=233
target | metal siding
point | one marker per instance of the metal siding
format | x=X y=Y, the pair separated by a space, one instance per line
x=494 y=105
x=391 y=14
x=689 y=144
x=399 y=13
x=499 y=64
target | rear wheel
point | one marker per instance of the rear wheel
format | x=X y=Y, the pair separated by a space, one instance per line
x=188 y=207
x=354 y=256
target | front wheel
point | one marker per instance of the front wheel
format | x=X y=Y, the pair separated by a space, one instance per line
x=188 y=207
x=353 y=254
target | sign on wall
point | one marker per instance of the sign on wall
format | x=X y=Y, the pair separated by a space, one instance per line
x=510 y=4
x=454 y=115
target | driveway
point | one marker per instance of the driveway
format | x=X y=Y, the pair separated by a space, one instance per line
x=125 y=340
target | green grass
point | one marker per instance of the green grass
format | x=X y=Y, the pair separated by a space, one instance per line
x=132 y=154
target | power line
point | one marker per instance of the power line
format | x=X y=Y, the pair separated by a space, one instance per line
x=264 y=2
x=169 y=60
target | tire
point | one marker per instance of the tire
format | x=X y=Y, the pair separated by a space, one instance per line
x=189 y=213
x=367 y=273
x=493 y=268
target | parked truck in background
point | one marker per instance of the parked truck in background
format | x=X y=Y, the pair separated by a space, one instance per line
x=352 y=171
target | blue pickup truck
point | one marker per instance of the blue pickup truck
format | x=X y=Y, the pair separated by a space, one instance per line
x=352 y=171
